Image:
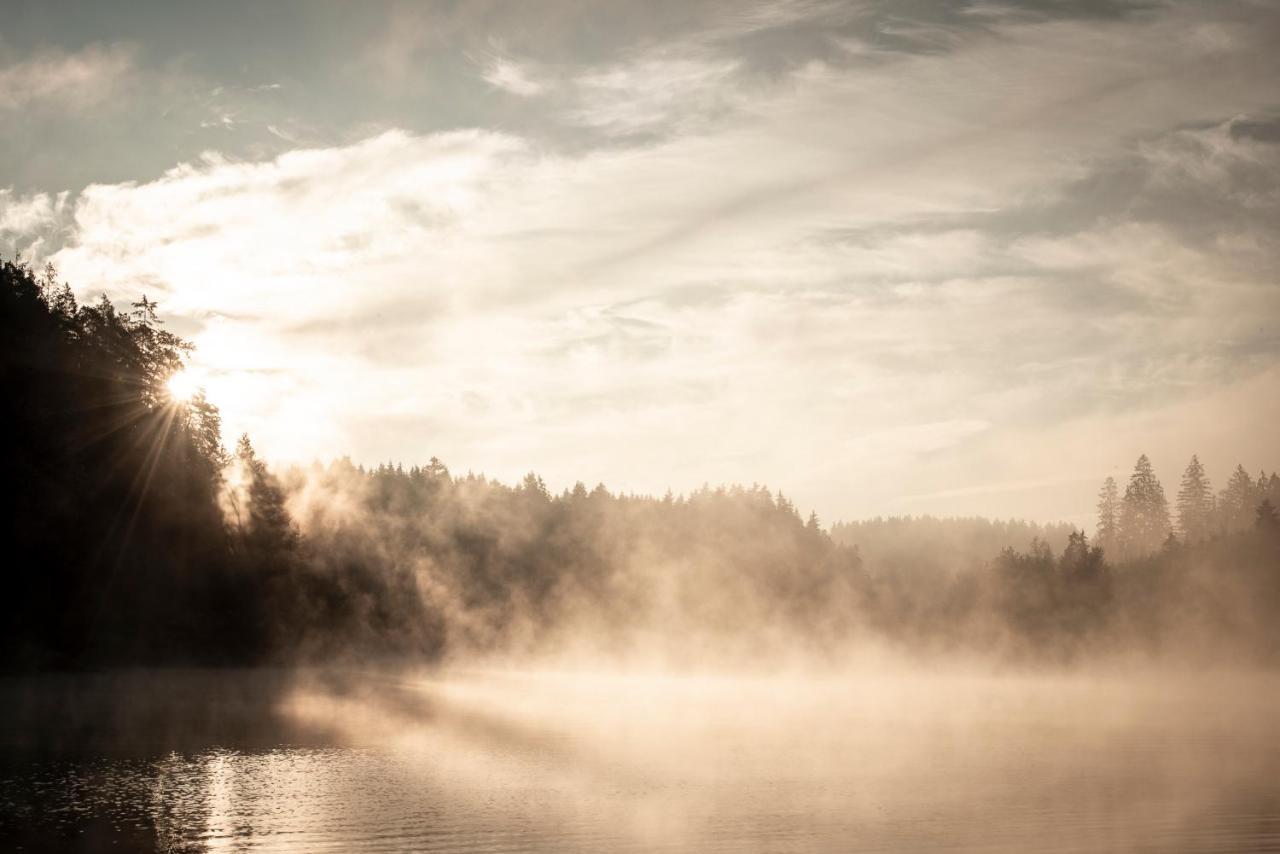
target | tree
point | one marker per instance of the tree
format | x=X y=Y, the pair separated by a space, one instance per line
x=161 y=352
x=534 y=486
x=1267 y=519
x=204 y=423
x=1108 y=514
x=1235 y=505
x=265 y=524
x=112 y=510
x=1079 y=559
x=1084 y=585
x=1026 y=589
x=1195 y=503
x=1144 y=512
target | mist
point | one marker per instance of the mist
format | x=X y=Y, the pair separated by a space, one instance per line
x=667 y=667
x=736 y=577
x=765 y=426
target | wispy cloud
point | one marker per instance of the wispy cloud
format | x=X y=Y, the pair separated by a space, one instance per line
x=56 y=78
x=511 y=76
x=919 y=270
x=653 y=93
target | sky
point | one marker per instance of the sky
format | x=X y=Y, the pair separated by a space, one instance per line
x=890 y=257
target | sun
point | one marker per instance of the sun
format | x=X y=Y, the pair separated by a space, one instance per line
x=183 y=385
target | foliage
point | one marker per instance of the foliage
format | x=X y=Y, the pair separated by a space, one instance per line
x=118 y=548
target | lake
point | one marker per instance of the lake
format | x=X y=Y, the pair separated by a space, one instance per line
x=899 y=760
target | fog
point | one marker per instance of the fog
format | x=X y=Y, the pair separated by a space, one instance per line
x=735 y=577
x=888 y=757
x=679 y=426
x=206 y=651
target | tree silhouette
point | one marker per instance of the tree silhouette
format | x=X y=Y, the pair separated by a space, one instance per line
x=1195 y=503
x=1236 y=502
x=265 y=524
x=1267 y=520
x=1144 y=512
x=134 y=538
x=1108 y=515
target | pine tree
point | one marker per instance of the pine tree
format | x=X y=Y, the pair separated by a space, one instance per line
x=1236 y=504
x=265 y=524
x=1266 y=518
x=1144 y=512
x=1108 y=514
x=1195 y=501
x=1079 y=559
x=534 y=486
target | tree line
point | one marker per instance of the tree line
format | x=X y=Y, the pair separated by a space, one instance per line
x=118 y=549
x=135 y=537
x=1140 y=522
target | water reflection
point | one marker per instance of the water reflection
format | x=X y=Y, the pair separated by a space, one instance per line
x=494 y=762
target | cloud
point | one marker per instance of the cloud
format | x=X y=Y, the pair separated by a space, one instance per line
x=20 y=215
x=281 y=133
x=511 y=76
x=279 y=223
x=652 y=93
x=225 y=121
x=31 y=224
x=861 y=280
x=66 y=79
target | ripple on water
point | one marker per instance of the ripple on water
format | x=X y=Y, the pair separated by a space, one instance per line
x=480 y=767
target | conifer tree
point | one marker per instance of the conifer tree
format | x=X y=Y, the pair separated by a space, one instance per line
x=1144 y=512
x=1195 y=501
x=1108 y=514
x=265 y=523
x=1236 y=504
x=1266 y=517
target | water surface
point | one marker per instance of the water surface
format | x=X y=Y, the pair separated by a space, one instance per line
x=500 y=761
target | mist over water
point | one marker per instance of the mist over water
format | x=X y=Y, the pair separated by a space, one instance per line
x=883 y=759
x=209 y=653
x=687 y=425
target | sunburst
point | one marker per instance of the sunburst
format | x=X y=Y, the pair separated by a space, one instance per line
x=184 y=385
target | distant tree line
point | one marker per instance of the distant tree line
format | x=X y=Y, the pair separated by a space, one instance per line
x=738 y=571
x=135 y=537
x=517 y=568
x=1140 y=522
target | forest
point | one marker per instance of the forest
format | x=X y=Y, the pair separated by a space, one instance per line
x=136 y=538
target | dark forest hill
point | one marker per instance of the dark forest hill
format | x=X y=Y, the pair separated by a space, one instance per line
x=135 y=537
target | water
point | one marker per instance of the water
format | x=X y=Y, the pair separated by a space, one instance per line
x=566 y=762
